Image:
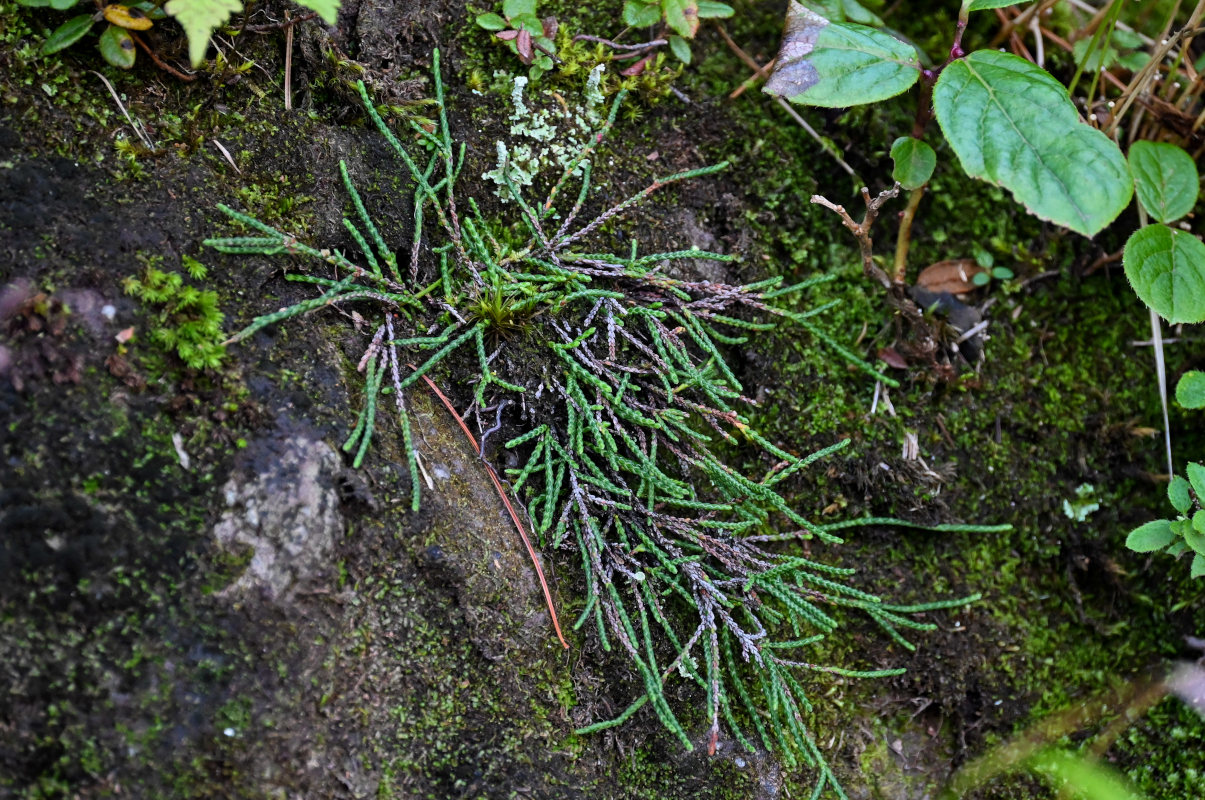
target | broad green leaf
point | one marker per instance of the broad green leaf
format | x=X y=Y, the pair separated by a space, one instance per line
x=1178 y=494
x=838 y=64
x=67 y=34
x=1198 y=521
x=1198 y=566
x=327 y=9
x=1150 y=537
x=1195 y=539
x=199 y=18
x=1196 y=476
x=914 y=162
x=856 y=12
x=713 y=10
x=682 y=16
x=151 y=10
x=1176 y=549
x=34 y=3
x=680 y=48
x=1011 y=123
x=516 y=8
x=988 y=5
x=641 y=15
x=1166 y=267
x=1089 y=779
x=528 y=22
x=1165 y=179
x=491 y=22
x=63 y=5
x=1190 y=391
x=117 y=47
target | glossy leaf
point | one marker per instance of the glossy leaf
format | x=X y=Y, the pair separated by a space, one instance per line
x=680 y=48
x=67 y=34
x=516 y=8
x=838 y=64
x=1165 y=179
x=988 y=5
x=1190 y=391
x=1196 y=476
x=199 y=18
x=117 y=47
x=1011 y=123
x=641 y=15
x=1178 y=494
x=914 y=162
x=1150 y=537
x=1166 y=267
x=682 y=16
x=492 y=22
x=125 y=17
x=713 y=10
x=327 y=9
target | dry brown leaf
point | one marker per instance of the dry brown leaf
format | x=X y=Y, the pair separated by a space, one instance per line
x=954 y=276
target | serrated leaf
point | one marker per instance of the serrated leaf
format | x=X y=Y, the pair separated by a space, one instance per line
x=682 y=16
x=1165 y=178
x=988 y=5
x=1194 y=539
x=67 y=34
x=641 y=15
x=199 y=18
x=914 y=162
x=117 y=47
x=838 y=64
x=1178 y=494
x=327 y=9
x=1176 y=549
x=680 y=48
x=1196 y=476
x=125 y=17
x=1150 y=537
x=713 y=10
x=1166 y=267
x=1190 y=391
x=516 y=8
x=491 y=22
x=1011 y=123
x=1198 y=566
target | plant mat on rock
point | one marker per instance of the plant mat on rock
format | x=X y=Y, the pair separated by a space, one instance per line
x=623 y=365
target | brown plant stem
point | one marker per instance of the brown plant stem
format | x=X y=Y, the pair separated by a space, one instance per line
x=903 y=240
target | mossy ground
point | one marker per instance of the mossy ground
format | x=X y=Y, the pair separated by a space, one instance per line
x=420 y=671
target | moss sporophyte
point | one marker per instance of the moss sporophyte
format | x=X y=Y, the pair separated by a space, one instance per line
x=626 y=375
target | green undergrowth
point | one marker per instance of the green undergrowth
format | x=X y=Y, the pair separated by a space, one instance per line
x=626 y=464
x=1063 y=398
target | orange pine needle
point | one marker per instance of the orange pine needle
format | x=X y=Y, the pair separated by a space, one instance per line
x=531 y=551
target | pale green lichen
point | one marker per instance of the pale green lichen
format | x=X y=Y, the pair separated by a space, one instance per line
x=548 y=134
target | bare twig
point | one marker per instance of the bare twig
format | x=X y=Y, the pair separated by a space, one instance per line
x=861 y=230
